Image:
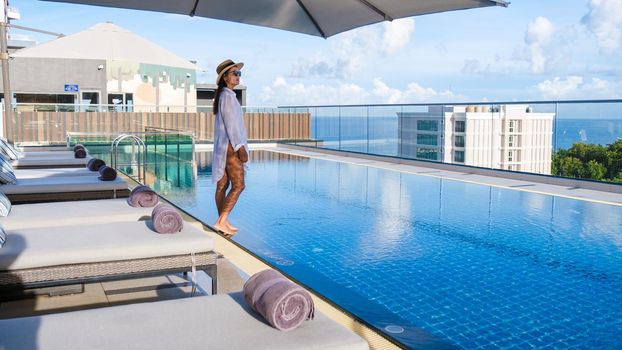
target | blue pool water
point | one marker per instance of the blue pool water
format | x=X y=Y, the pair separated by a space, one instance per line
x=449 y=263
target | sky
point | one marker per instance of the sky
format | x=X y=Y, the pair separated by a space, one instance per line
x=532 y=50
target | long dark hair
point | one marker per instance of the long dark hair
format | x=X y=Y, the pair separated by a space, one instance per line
x=221 y=85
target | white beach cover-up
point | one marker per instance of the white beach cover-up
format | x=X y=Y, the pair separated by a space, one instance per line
x=228 y=127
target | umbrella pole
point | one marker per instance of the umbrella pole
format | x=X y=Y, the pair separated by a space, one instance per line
x=6 y=83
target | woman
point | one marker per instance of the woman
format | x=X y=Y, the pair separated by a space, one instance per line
x=230 y=146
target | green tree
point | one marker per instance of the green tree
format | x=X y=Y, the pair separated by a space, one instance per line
x=594 y=170
x=589 y=161
x=571 y=167
x=614 y=156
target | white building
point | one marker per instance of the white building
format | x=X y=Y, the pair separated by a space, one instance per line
x=104 y=65
x=509 y=137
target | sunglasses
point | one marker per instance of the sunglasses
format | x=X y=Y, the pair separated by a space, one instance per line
x=237 y=73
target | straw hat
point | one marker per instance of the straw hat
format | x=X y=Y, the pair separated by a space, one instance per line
x=224 y=66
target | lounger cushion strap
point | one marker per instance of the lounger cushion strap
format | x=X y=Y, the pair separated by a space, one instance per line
x=5 y=205
x=2 y=236
x=9 y=150
x=7 y=176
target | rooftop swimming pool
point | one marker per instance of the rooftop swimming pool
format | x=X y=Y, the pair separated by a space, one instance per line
x=428 y=261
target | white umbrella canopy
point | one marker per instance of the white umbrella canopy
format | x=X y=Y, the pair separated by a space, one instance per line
x=315 y=17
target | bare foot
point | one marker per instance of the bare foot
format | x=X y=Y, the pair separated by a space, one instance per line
x=224 y=230
x=231 y=227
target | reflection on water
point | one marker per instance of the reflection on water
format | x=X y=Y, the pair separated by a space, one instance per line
x=475 y=266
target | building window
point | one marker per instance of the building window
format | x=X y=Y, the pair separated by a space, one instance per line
x=511 y=141
x=459 y=140
x=121 y=102
x=427 y=153
x=459 y=156
x=514 y=126
x=90 y=101
x=510 y=156
x=424 y=139
x=48 y=102
x=459 y=126
x=427 y=125
x=45 y=98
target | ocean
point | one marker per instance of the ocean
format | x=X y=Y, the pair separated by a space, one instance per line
x=352 y=130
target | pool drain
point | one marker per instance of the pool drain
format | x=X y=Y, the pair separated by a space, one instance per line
x=394 y=329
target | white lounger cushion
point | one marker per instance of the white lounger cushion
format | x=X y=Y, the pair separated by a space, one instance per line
x=208 y=322
x=58 y=184
x=45 y=154
x=72 y=213
x=51 y=172
x=50 y=161
x=42 y=247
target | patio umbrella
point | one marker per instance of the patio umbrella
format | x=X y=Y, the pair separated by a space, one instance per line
x=315 y=17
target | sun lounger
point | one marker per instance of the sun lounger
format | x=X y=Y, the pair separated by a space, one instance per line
x=50 y=162
x=53 y=172
x=61 y=255
x=46 y=154
x=64 y=188
x=72 y=213
x=208 y=322
x=40 y=159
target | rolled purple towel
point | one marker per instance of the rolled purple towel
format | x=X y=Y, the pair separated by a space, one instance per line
x=143 y=196
x=95 y=163
x=283 y=304
x=78 y=146
x=166 y=219
x=80 y=153
x=107 y=173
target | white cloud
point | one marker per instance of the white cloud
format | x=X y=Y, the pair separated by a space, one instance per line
x=282 y=92
x=559 y=87
x=397 y=35
x=413 y=93
x=353 y=50
x=537 y=38
x=576 y=87
x=544 y=49
x=604 y=20
x=386 y=93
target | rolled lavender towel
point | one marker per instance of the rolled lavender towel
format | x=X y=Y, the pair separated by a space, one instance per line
x=95 y=163
x=107 y=173
x=166 y=219
x=78 y=146
x=283 y=304
x=80 y=153
x=143 y=196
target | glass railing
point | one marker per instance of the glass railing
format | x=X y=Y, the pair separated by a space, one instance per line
x=166 y=161
x=579 y=139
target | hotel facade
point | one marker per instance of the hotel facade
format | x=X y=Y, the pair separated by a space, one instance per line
x=509 y=137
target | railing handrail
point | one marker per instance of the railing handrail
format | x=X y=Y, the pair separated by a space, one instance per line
x=142 y=153
x=170 y=131
x=457 y=103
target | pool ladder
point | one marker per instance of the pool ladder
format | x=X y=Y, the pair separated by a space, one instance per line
x=138 y=155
